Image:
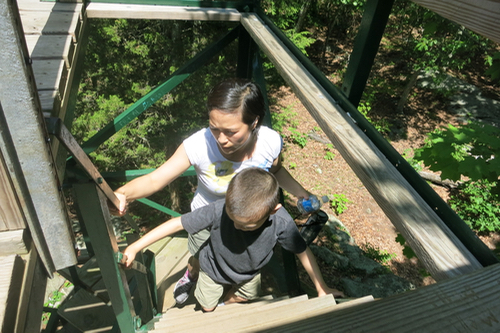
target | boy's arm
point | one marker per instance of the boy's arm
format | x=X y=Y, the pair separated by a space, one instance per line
x=163 y=230
x=308 y=260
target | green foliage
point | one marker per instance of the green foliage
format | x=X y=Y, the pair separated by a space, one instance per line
x=407 y=251
x=470 y=150
x=329 y=155
x=292 y=165
x=298 y=137
x=478 y=204
x=414 y=163
x=374 y=253
x=338 y=203
x=382 y=125
x=494 y=63
x=301 y=39
x=285 y=117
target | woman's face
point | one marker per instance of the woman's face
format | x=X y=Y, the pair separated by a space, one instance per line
x=231 y=133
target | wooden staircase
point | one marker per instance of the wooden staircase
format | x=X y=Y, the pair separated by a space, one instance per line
x=267 y=314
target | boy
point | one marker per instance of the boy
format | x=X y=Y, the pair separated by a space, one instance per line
x=244 y=230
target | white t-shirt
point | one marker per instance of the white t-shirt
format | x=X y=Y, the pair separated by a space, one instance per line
x=214 y=171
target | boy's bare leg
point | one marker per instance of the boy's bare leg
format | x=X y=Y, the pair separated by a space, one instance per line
x=193 y=268
x=232 y=298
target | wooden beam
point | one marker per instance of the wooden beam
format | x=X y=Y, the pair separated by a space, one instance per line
x=152 y=12
x=11 y=277
x=32 y=163
x=13 y=242
x=480 y=16
x=11 y=215
x=439 y=249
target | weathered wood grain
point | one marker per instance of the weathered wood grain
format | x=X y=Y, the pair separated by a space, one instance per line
x=468 y=303
x=49 y=47
x=480 y=16
x=11 y=277
x=50 y=23
x=151 y=12
x=11 y=216
x=442 y=253
x=13 y=242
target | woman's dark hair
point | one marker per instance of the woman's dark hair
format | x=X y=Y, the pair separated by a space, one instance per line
x=241 y=95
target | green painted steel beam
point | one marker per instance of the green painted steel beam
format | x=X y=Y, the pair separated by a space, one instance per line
x=243 y=5
x=165 y=87
x=258 y=76
x=159 y=207
x=93 y=208
x=128 y=175
x=365 y=48
x=482 y=253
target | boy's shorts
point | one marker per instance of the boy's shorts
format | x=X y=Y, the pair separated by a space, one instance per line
x=208 y=292
x=195 y=241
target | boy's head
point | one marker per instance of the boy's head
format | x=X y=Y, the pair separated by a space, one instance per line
x=251 y=197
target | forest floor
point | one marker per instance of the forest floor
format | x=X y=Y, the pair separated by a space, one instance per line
x=321 y=169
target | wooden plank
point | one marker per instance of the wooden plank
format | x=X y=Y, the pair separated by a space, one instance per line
x=50 y=23
x=480 y=16
x=32 y=294
x=50 y=47
x=11 y=216
x=32 y=159
x=159 y=245
x=153 y=12
x=175 y=319
x=87 y=312
x=441 y=252
x=48 y=74
x=50 y=6
x=166 y=286
x=13 y=242
x=49 y=99
x=11 y=277
x=166 y=260
x=468 y=303
x=258 y=318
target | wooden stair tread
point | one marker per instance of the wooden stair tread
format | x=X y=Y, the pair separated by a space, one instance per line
x=11 y=278
x=243 y=317
x=87 y=312
x=189 y=311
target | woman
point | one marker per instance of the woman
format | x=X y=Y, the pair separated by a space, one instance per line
x=235 y=140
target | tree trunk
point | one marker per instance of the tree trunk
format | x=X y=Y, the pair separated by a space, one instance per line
x=406 y=92
x=302 y=15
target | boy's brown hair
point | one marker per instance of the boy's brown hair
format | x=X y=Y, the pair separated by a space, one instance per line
x=252 y=195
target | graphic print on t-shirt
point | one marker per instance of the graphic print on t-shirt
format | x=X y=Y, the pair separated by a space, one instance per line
x=221 y=173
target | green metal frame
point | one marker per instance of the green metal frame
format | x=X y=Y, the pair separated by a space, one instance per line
x=92 y=205
x=365 y=48
x=153 y=96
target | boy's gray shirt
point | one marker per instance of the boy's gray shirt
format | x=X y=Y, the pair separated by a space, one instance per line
x=233 y=256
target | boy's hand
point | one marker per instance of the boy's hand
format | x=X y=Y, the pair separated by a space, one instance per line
x=128 y=257
x=326 y=291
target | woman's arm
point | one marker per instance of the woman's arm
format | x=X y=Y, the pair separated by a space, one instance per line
x=286 y=181
x=308 y=260
x=163 y=230
x=155 y=181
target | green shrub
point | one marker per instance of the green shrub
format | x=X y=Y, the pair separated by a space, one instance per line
x=477 y=204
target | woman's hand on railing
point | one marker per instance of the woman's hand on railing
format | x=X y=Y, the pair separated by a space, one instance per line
x=123 y=205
